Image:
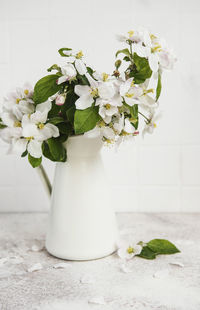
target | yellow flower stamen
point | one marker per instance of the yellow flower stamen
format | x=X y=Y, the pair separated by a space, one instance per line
x=131 y=33
x=26 y=91
x=130 y=250
x=18 y=100
x=133 y=120
x=107 y=106
x=94 y=92
x=147 y=91
x=79 y=55
x=109 y=141
x=105 y=76
x=128 y=95
x=132 y=83
x=17 y=124
x=153 y=37
x=40 y=126
x=154 y=125
x=29 y=138
x=101 y=124
x=124 y=133
x=156 y=48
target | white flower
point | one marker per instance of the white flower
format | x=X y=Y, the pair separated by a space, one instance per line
x=106 y=90
x=160 y=55
x=86 y=96
x=35 y=126
x=167 y=59
x=19 y=102
x=146 y=100
x=150 y=126
x=9 y=134
x=76 y=58
x=129 y=250
x=130 y=92
x=69 y=73
x=31 y=132
x=108 y=107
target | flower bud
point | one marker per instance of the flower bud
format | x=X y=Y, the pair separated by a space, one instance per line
x=60 y=99
x=118 y=63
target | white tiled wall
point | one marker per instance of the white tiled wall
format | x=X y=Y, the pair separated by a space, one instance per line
x=160 y=173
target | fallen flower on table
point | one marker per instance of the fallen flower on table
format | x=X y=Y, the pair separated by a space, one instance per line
x=179 y=264
x=149 y=250
x=128 y=251
x=37 y=246
x=97 y=300
x=35 y=267
x=61 y=265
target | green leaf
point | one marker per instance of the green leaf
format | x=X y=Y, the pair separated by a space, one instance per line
x=45 y=88
x=125 y=51
x=143 y=71
x=86 y=120
x=54 y=112
x=24 y=153
x=62 y=50
x=90 y=70
x=35 y=162
x=82 y=79
x=134 y=115
x=126 y=58
x=56 y=120
x=2 y=126
x=147 y=253
x=62 y=138
x=54 y=67
x=65 y=127
x=162 y=246
x=46 y=152
x=70 y=114
x=159 y=87
x=57 y=150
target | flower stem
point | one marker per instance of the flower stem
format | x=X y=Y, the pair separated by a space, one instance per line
x=148 y=120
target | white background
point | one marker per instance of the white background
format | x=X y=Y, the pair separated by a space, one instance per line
x=160 y=173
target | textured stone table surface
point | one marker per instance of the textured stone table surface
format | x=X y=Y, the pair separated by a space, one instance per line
x=157 y=284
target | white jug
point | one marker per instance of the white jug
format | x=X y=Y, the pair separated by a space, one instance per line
x=82 y=222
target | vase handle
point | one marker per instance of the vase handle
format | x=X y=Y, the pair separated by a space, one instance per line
x=45 y=179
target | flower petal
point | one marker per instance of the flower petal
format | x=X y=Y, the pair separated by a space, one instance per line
x=82 y=90
x=62 y=79
x=8 y=119
x=80 y=67
x=128 y=126
x=19 y=146
x=35 y=148
x=38 y=117
x=106 y=90
x=44 y=107
x=153 y=62
x=84 y=102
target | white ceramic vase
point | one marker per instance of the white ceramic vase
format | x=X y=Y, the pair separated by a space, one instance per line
x=82 y=222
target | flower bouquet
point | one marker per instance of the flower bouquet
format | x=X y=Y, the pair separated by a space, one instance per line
x=69 y=115
x=78 y=100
